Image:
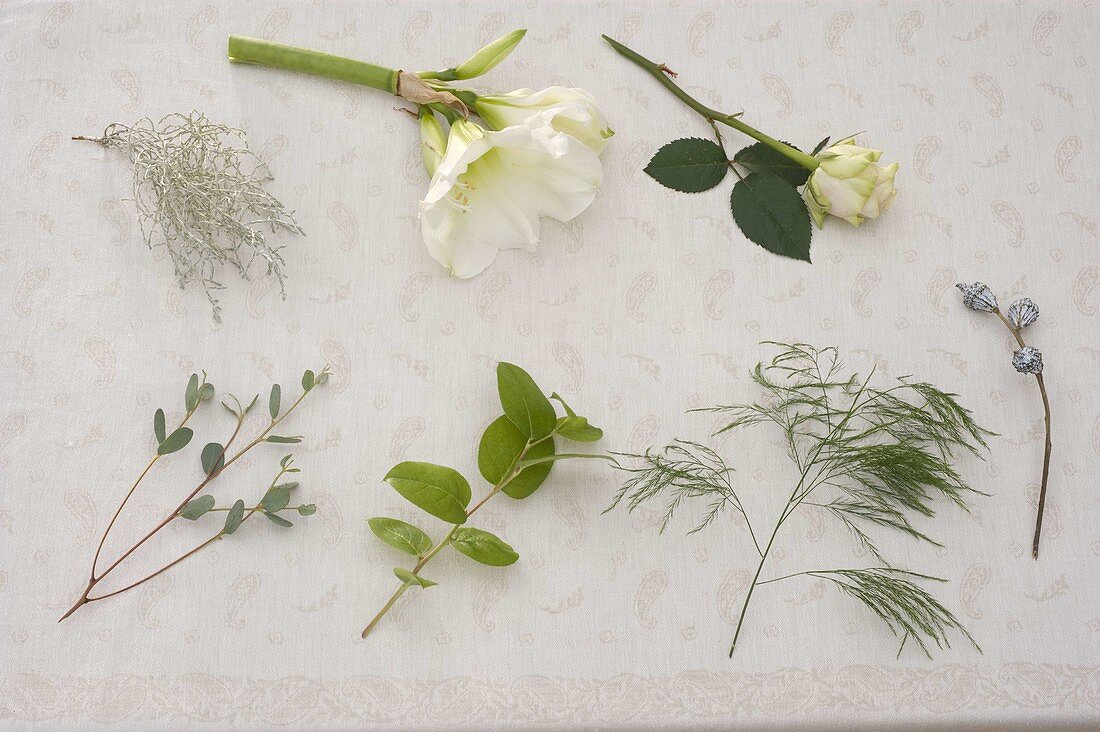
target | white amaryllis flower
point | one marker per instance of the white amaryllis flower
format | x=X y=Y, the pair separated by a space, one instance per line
x=848 y=184
x=491 y=187
x=572 y=111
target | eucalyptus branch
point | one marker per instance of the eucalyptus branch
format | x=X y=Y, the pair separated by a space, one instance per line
x=213 y=462
x=1027 y=360
x=515 y=455
x=884 y=453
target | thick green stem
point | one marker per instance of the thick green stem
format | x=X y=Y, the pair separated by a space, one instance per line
x=660 y=72
x=267 y=53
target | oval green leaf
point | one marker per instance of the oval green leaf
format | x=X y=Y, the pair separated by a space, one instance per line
x=175 y=441
x=401 y=535
x=308 y=380
x=439 y=490
x=206 y=391
x=412 y=579
x=524 y=402
x=274 y=400
x=277 y=498
x=771 y=213
x=191 y=395
x=577 y=429
x=196 y=507
x=158 y=426
x=481 y=546
x=501 y=444
x=307 y=509
x=280 y=440
x=278 y=520
x=234 y=518
x=690 y=165
x=213 y=458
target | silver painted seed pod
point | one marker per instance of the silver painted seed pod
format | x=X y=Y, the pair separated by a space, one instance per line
x=978 y=296
x=1023 y=312
x=1028 y=360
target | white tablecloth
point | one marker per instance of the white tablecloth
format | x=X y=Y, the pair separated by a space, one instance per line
x=648 y=304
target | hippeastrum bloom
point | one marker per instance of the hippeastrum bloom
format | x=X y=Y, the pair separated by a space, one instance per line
x=491 y=187
x=572 y=111
x=848 y=184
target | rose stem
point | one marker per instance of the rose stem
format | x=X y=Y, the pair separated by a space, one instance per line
x=658 y=72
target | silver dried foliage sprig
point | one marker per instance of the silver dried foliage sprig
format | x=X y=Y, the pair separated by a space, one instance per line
x=1025 y=359
x=199 y=193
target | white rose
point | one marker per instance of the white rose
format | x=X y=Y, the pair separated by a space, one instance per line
x=572 y=111
x=490 y=188
x=849 y=185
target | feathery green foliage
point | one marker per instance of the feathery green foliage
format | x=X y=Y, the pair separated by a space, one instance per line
x=870 y=457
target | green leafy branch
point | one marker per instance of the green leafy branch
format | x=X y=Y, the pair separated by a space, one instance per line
x=214 y=459
x=765 y=201
x=871 y=458
x=515 y=455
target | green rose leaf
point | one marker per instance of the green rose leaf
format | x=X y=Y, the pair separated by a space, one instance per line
x=439 y=490
x=274 y=401
x=158 y=426
x=690 y=165
x=820 y=146
x=577 y=429
x=481 y=546
x=308 y=380
x=501 y=444
x=401 y=535
x=175 y=441
x=760 y=157
x=191 y=395
x=278 y=520
x=412 y=579
x=234 y=518
x=771 y=213
x=213 y=458
x=280 y=440
x=196 y=507
x=524 y=403
x=307 y=509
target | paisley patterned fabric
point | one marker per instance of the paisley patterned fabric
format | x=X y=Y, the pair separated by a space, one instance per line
x=644 y=306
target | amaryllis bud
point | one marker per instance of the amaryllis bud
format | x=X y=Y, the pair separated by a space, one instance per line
x=1028 y=360
x=433 y=140
x=978 y=297
x=1023 y=312
x=489 y=56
